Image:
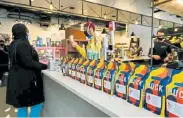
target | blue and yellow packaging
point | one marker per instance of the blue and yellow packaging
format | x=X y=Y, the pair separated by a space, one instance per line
x=121 y=81
x=90 y=73
x=136 y=85
x=174 y=95
x=132 y=67
x=109 y=78
x=78 y=74
x=83 y=70
x=98 y=75
x=70 y=66
x=155 y=89
x=65 y=66
x=74 y=68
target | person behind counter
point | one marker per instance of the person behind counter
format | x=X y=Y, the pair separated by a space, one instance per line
x=25 y=84
x=94 y=46
x=162 y=51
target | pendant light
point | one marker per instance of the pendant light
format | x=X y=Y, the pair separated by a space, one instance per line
x=133 y=34
x=51 y=5
x=104 y=31
x=62 y=27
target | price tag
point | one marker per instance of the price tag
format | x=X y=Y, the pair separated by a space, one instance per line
x=90 y=79
x=98 y=82
x=153 y=100
x=175 y=108
x=73 y=73
x=78 y=74
x=70 y=71
x=107 y=85
x=134 y=93
x=82 y=76
x=121 y=88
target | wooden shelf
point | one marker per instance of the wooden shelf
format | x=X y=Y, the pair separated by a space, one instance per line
x=79 y=40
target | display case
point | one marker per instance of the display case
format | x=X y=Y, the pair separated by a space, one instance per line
x=46 y=53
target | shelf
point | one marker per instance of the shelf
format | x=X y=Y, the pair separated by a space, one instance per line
x=79 y=40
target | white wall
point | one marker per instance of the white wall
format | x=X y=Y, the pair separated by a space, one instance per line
x=144 y=33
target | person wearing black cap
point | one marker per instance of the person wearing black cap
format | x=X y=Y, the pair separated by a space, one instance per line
x=25 y=84
x=161 y=51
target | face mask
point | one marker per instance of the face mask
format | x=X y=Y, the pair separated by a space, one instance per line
x=28 y=37
x=87 y=35
x=160 y=38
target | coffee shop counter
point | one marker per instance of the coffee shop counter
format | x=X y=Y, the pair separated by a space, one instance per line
x=65 y=97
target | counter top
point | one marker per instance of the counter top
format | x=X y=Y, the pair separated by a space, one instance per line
x=111 y=105
x=136 y=59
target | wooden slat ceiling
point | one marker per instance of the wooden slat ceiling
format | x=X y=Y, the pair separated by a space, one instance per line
x=172 y=7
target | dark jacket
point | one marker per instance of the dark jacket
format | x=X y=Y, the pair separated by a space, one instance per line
x=3 y=62
x=25 y=84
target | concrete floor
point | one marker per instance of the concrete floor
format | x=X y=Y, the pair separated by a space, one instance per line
x=4 y=106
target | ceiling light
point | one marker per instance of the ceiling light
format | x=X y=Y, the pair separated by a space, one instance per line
x=105 y=16
x=32 y=0
x=136 y=22
x=176 y=29
x=57 y=25
x=62 y=27
x=51 y=5
x=160 y=26
x=21 y=22
x=16 y=21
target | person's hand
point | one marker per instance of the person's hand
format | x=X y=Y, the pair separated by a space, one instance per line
x=71 y=38
x=156 y=57
x=166 y=59
x=74 y=44
x=44 y=67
